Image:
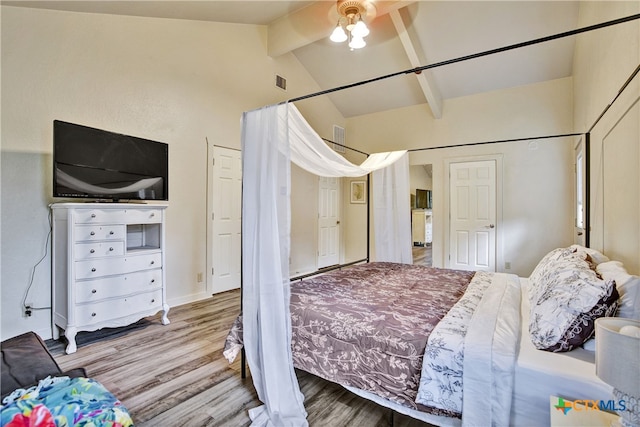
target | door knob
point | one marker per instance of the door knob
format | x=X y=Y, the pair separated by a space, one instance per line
x=337 y=222
x=490 y=226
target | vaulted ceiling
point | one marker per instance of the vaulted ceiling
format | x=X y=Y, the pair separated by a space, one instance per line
x=404 y=35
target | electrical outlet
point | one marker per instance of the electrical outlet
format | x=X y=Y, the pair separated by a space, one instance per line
x=507 y=265
x=200 y=279
x=28 y=309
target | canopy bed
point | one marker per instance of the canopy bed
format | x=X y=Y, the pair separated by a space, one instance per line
x=495 y=353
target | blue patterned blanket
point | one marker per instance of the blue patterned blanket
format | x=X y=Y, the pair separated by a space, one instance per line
x=62 y=401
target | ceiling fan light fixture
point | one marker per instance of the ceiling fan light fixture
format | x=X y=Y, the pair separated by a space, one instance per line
x=360 y=29
x=351 y=25
x=338 y=35
x=357 y=43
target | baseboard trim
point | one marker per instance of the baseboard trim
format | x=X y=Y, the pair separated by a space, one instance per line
x=186 y=299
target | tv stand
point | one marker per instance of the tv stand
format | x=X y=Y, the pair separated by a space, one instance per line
x=107 y=266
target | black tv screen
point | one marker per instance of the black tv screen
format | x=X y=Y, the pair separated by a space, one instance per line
x=423 y=199
x=97 y=164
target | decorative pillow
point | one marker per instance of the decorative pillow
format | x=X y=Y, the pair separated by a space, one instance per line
x=595 y=255
x=583 y=327
x=547 y=266
x=567 y=295
x=628 y=287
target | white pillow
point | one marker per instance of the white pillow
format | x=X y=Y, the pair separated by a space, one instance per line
x=590 y=345
x=628 y=287
x=596 y=256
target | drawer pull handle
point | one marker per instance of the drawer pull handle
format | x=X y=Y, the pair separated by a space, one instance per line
x=153 y=262
x=92 y=251
x=153 y=300
x=93 y=233
x=110 y=249
x=93 y=314
x=153 y=280
x=93 y=291
x=111 y=232
x=93 y=270
x=93 y=215
x=152 y=215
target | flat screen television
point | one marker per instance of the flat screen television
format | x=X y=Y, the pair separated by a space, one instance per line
x=423 y=199
x=96 y=164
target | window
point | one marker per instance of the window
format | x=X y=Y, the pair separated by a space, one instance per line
x=579 y=190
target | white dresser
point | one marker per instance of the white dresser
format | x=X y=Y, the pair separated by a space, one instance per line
x=421 y=226
x=107 y=266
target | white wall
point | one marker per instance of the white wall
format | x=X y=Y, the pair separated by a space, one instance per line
x=603 y=61
x=537 y=191
x=175 y=81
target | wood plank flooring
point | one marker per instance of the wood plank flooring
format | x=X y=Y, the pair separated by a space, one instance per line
x=422 y=255
x=176 y=375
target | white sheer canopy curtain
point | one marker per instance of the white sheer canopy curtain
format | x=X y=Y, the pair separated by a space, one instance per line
x=272 y=137
x=392 y=213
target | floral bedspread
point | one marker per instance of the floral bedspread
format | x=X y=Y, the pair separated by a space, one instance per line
x=62 y=401
x=367 y=326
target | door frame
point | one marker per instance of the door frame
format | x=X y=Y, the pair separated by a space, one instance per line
x=498 y=158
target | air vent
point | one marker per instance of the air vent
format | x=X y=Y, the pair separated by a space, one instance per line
x=281 y=82
x=339 y=138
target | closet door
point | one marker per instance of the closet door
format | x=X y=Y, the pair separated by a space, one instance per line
x=226 y=219
x=472 y=235
x=329 y=222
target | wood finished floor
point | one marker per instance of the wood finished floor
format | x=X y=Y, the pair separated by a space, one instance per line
x=422 y=255
x=176 y=375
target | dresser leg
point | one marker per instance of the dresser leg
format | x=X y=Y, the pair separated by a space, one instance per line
x=70 y=333
x=165 y=312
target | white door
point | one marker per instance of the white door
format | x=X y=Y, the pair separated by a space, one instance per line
x=472 y=237
x=579 y=236
x=226 y=218
x=329 y=222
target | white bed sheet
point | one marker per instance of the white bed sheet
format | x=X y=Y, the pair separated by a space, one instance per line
x=541 y=374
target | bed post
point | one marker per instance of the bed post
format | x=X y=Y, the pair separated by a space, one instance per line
x=243 y=356
x=368 y=216
x=587 y=189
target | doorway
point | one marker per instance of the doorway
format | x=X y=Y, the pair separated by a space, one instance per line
x=421 y=185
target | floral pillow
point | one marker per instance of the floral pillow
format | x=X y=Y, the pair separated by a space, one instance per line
x=547 y=266
x=566 y=297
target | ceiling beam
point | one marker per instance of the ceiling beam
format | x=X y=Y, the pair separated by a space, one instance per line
x=312 y=23
x=413 y=51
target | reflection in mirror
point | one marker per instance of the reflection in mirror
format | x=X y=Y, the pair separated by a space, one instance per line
x=421 y=182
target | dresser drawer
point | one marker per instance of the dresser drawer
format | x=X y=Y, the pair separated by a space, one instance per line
x=115 y=308
x=100 y=267
x=117 y=286
x=99 y=232
x=144 y=216
x=98 y=249
x=99 y=216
